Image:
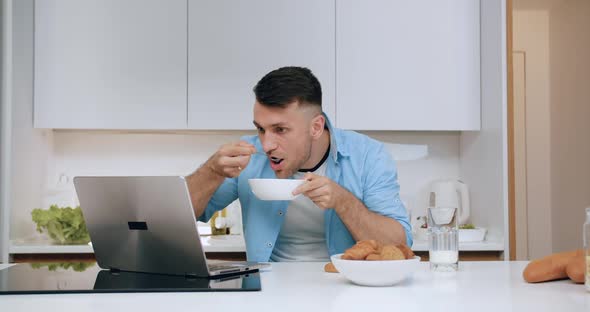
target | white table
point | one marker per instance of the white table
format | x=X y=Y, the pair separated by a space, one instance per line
x=478 y=286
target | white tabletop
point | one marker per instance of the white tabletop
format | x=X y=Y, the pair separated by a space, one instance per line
x=478 y=286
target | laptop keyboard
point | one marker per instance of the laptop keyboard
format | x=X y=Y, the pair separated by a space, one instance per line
x=220 y=266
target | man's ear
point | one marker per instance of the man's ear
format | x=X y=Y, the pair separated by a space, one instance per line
x=317 y=126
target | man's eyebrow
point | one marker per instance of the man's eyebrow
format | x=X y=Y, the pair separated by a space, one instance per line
x=278 y=124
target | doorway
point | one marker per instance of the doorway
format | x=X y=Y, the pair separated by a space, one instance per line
x=550 y=129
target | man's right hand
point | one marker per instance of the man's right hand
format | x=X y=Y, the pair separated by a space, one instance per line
x=227 y=162
x=231 y=159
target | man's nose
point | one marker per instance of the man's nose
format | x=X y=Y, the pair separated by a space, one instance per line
x=268 y=145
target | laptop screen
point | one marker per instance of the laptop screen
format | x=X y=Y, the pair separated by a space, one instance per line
x=142 y=224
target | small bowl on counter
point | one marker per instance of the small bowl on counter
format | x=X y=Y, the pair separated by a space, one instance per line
x=376 y=273
x=472 y=235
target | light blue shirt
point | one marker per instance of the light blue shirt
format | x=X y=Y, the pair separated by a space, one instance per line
x=356 y=162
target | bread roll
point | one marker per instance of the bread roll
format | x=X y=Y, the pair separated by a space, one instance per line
x=330 y=268
x=575 y=269
x=552 y=267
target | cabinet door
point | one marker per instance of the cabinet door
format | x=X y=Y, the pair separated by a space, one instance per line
x=408 y=65
x=110 y=64
x=233 y=43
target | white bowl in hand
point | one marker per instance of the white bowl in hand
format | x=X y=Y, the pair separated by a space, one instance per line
x=274 y=189
x=376 y=273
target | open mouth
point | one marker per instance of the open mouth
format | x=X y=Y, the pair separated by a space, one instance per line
x=276 y=160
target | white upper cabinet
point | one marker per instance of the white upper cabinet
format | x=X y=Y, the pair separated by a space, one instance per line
x=110 y=64
x=192 y=64
x=233 y=43
x=408 y=65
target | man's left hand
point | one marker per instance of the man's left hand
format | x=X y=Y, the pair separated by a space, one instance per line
x=324 y=192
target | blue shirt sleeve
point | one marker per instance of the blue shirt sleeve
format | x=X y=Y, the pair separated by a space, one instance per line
x=227 y=191
x=381 y=189
x=223 y=196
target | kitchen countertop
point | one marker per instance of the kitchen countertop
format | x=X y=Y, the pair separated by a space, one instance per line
x=304 y=286
x=42 y=245
x=211 y=243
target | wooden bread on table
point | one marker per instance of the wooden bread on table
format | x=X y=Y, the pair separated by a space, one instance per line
x=554 y=267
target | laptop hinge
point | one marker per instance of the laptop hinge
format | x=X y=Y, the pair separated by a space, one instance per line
x=114 y=270
x=190 y=275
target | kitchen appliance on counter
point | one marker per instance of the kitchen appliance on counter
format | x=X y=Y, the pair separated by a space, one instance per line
x=220 y=223
x=451 y=193
x=454 y=193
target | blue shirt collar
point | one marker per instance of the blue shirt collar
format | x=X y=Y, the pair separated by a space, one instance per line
x=337 y=147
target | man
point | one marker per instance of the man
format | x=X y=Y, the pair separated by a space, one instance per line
x=350 y=194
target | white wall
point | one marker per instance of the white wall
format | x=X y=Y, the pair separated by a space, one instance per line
x=570 y=121
x=483 y=154
x=30 y=148
x=5 y=124
x=531 y=36
x=415 y=176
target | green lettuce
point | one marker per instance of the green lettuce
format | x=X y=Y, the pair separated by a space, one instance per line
x=64 y=225
x=467 y=226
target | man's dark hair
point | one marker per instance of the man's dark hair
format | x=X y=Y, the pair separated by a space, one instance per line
x=285 y=85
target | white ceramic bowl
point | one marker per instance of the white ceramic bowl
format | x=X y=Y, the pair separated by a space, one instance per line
x=472 y=235
x=376 y=273
x=274 y=189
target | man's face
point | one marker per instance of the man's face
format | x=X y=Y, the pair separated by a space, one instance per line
x=286 y=136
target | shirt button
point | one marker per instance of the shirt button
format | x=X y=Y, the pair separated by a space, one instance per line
x=268 y=244
x=280 y=213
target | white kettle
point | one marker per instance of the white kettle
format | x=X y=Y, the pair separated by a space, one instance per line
x=451 y=193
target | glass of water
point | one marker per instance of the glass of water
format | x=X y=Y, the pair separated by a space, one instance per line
x=443 y=239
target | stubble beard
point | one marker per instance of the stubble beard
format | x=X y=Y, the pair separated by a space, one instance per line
x=290 y=172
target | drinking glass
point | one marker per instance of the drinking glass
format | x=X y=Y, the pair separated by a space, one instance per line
x=443 y=238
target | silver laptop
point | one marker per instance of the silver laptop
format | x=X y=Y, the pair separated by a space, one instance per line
x=147 y=224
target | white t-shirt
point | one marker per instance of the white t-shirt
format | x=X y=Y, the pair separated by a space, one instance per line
x=302 y=237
